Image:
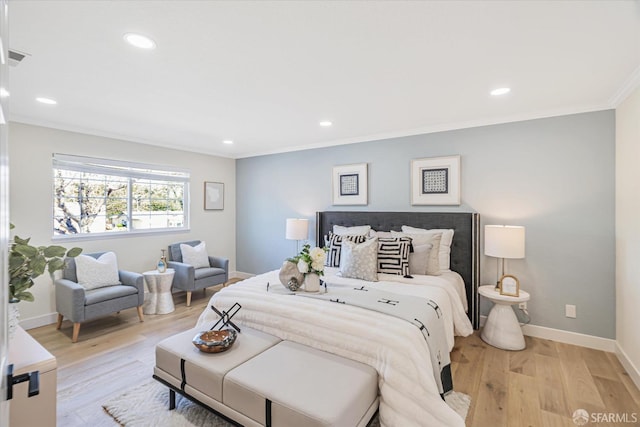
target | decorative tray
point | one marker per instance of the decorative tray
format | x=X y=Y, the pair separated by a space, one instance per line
x=215 y=341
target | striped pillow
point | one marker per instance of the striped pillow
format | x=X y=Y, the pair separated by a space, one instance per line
x=334 y=243
x=393 y=255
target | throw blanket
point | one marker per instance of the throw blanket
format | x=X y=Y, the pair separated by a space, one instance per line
x=409 y=395
x=425 y=314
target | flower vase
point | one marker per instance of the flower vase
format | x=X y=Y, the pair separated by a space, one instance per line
x=14 y=318
x=311 y=282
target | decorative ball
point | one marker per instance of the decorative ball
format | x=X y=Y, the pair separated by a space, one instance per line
x=293 y=284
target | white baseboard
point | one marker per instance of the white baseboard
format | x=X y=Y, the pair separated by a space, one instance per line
x=36 y=322
x=567 y=337
x=628 y=365
x=240 y=275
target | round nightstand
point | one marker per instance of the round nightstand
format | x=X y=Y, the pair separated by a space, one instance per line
x=502 y=329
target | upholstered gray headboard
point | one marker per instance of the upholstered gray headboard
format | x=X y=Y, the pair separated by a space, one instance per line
x=465 y=255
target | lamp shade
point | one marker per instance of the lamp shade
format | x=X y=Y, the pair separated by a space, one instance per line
x=504 y=241
x=297 y=229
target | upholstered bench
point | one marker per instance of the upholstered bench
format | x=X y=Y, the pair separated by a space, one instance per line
x=263 y=381
x=294 y=385
x=198 y=375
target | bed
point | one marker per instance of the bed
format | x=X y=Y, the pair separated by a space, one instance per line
x=409 y=393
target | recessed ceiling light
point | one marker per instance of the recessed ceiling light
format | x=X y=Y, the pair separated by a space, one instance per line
x=227 y=141
x=138 y=40
x=3 y=92
x=500 y=91
x=47 y=101
x=325 y=123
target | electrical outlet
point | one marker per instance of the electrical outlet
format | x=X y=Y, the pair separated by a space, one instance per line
x=522 y=305
x=570 y=311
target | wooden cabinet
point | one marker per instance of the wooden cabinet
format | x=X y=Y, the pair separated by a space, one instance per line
x=27 y=355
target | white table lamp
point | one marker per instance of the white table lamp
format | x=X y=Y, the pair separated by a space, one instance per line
x=504 y=241
x=297 y=229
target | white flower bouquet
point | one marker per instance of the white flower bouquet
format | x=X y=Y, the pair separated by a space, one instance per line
x=310 y=260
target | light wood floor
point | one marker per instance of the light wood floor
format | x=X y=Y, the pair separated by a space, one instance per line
x=540 y=386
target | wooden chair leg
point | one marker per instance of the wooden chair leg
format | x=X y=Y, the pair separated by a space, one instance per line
x=188 y=298
x=76 y=332
x=140 y=314
x=59 y=324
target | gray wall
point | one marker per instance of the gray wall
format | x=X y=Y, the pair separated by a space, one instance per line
x=554 y=176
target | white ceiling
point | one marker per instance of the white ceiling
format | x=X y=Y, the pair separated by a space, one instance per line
x=264 y=73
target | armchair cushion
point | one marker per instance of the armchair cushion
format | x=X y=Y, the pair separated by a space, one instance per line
x=195 y=255
x=108 y=293
x=94 y=273
x=201 y=273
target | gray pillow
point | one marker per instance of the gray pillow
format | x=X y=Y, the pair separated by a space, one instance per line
x=360 y=261
x=419 y=259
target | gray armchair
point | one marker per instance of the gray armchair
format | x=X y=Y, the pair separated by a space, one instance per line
x=190 y=279
x=79 y=304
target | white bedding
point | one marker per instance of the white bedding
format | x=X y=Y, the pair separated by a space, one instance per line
x=395 y=348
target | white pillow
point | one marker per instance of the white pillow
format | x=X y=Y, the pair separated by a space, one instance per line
x=195 y=256
x=383 y=234
x=95 y=273
x=360 y=230
x=444 y=250
x=360 y=261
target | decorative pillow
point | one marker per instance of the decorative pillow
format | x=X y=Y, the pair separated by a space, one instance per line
x=443 y=250
x=195 y=256
x=360 y=230
x=419 y=259
x=334 y=243
x=358 y=261
x=95 y=273
x=393 y=255
x=421 y=239
x=385 y=234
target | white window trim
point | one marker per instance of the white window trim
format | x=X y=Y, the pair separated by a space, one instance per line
x=129 y=170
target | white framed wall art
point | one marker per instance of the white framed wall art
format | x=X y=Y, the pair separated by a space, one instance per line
x=350 y=184
x=435 y=181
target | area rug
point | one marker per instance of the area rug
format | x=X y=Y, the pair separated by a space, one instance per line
x=148 y=405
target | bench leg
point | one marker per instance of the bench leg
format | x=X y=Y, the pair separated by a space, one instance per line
x=59 y=324
x=172 y=399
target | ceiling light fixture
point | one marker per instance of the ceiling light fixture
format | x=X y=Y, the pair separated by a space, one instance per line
x=500 y=91
x=325 y=123
x=227 y=141
x=140 y=41
x=47 y=101
x=3 y=93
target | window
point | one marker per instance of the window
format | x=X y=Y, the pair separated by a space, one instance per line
x=100 y=197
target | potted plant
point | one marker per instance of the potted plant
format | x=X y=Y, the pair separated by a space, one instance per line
x=27 y=262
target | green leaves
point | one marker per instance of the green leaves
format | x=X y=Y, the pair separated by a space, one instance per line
x=74 y=252
x=27 y=262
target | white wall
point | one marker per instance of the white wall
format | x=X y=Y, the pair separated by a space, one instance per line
x=30 y=150
x=628 y=232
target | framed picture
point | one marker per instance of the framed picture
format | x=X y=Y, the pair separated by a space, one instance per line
x=509 y=285
x=213 y=196
x=350 y=184
x=435 y=181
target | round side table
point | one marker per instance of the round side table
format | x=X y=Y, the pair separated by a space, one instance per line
x=502 y=329
x=160 y=300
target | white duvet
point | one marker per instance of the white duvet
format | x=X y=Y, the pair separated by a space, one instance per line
x=395 y=348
